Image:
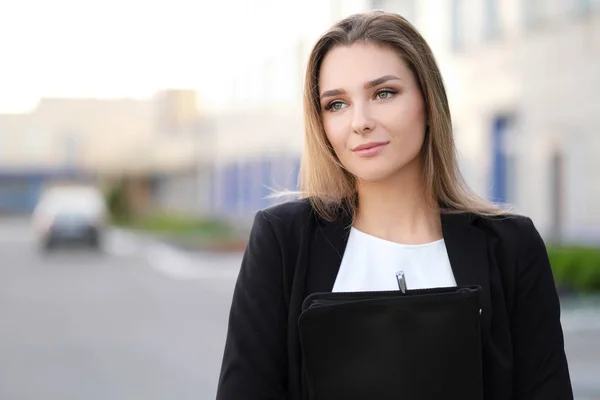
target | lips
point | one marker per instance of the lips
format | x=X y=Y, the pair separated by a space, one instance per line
x=369 y=149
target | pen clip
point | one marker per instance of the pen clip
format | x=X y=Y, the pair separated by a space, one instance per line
x=401 y=278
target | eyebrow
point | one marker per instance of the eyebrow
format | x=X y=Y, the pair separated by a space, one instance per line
x=368 y=85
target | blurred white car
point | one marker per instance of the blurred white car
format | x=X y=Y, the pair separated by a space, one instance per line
x=70 y=214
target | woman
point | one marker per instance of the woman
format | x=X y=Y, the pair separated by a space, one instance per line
x=381 y=188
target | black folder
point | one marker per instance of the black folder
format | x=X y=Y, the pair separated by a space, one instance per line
x=409 y=344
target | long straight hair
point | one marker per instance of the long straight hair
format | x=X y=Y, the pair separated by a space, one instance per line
x=325 y=181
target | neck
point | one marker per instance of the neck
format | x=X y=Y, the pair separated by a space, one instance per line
x=397 y=210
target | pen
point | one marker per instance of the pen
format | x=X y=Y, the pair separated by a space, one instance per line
x=401 y=278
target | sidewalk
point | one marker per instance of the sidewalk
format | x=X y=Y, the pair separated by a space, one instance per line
x=171 y=260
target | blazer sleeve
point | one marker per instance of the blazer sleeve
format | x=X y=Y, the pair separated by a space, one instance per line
x=255 y=359
x=540 y=364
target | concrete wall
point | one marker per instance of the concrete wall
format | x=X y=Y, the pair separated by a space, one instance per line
x=103 y=135
x=540 y=70
x=561 y=111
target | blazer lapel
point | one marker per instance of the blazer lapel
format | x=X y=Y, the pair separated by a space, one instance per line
x=326 y=252
x=468 y=253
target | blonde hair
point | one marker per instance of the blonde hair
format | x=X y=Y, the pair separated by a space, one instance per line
x=325 y=181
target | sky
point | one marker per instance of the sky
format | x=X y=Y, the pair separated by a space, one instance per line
x=126 y=48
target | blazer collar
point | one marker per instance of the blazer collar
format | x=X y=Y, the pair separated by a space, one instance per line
x=466 y=245
x=327 y=250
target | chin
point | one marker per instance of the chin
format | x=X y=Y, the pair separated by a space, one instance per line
x=373 y=175
x=375 y=171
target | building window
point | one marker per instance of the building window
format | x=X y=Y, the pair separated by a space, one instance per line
x=492 y=20
x=231 y=197
x=456 y=34
x=504 y=161
x=584 y=7
x=266 y=182
x=246 y=184
x=296 y=174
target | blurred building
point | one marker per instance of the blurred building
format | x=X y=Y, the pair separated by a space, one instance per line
x=521 y=77
x=91 y=139
x=523 y=85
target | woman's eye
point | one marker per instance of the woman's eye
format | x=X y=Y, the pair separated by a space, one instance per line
x=335 y=106
x=384 y=94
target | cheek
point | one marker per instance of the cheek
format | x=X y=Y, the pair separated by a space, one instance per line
x=407 y=122
x=410 y=113
x=336 y=132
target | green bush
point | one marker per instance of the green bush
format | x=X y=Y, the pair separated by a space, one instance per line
x=576 y=268
x=180 y=225
x=117 y=203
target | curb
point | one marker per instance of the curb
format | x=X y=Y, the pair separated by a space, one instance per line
x=207 y=246
x=195 y=245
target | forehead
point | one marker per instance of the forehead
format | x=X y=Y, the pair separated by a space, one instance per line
x=347 y=66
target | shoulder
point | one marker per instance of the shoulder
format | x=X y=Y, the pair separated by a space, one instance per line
x=278 y=233
x=290 y=212
x=284 y=221
x=509 y=226
x=508 y=234
x=518 y=236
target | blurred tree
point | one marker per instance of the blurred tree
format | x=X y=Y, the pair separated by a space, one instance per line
x=117 y=202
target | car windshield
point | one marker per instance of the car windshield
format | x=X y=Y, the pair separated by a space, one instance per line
x=72 y=200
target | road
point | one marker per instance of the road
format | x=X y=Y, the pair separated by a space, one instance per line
x=110 y=326
x=144 y=321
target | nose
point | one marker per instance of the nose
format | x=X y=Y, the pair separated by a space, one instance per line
x=362 y=122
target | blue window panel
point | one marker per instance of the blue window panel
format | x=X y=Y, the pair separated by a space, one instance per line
x=249 y=186
x=231 y=188
x=213 y=188
x=499 y=161
x=19 y=195
x=281 y=176
x=277 y=173
x=266 y=182
x=235 y=187
x=257 y=190
x=217 y=187
x=223 y=179
x=35 y=189
x=240 y=182
x=223 y=188
x=296 y=174
x=246 y=185
x=288 y=166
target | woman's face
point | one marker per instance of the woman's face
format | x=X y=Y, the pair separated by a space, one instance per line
x=373 y=110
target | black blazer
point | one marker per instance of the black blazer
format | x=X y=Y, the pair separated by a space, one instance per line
x=292 y=252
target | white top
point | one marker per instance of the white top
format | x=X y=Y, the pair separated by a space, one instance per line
x=371 y=264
